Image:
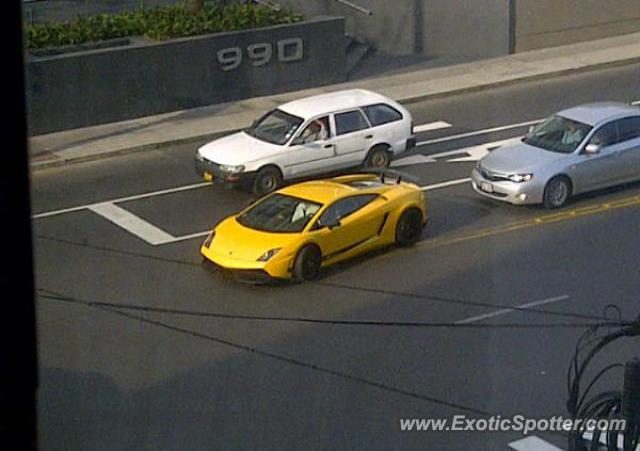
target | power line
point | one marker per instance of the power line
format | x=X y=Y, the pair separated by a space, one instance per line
x=447 y=300
x=301 y=363
x=401 y=294
x=373 y=323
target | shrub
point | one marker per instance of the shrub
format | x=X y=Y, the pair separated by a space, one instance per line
x=158 y=24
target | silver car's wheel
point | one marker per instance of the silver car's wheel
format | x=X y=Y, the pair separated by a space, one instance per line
x=557 y=192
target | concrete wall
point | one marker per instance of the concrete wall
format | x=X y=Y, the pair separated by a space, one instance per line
x=546 y=23
x=99 y=86
x=457 y=28
x=469 y=29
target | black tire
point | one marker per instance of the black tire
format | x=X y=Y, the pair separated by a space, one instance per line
x=378 y=158
x=268 y=179
x=307 y=263
x=409 y=227
x=557 y=192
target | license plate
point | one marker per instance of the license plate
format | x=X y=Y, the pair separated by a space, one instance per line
x=488 y=187
x=208 y=176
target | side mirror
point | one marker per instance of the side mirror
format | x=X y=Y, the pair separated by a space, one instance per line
x=592 y=149
x=332 y=225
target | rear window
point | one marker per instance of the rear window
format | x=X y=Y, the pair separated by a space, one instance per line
x=381 y=113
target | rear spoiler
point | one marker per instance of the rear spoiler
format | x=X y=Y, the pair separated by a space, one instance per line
x=386 y=173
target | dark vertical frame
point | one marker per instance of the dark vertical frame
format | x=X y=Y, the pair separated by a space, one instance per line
x=18 y=355
x=512 y=26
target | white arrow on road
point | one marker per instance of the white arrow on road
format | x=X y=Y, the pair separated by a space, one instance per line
x=533 y=443
x=473 y=153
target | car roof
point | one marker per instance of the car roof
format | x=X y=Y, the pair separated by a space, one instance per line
x=327 y=190
x=334 y=101
x=594 y=113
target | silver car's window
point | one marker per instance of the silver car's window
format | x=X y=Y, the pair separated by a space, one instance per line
x=606 y=135
x=558 y=134
x=629 y=128
x=276 y=127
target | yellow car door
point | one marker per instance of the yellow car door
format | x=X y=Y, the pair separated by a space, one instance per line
x=348 y=223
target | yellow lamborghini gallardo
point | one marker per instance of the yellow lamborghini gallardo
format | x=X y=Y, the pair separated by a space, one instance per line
x=298 y=229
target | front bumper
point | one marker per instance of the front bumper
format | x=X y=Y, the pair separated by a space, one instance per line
x=211 y=172
x=506 y=191
x=275 y=268
x=254 y=276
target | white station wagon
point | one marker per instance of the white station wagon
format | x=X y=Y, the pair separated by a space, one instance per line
x=308 y=137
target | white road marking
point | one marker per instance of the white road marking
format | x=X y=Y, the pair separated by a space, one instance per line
x=431 y=126
x=412 y=160
x=533 y=443
x=476 y=133
x=636 y=102
x=474 y=319
x=472 y=153
x=122 y=199
x=445 y=184
x=132 y=223
x=478 y=152
x=190 y=236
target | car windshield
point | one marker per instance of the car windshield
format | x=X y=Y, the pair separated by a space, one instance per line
x=558 y=134
x=276 y=127
x=279 y=213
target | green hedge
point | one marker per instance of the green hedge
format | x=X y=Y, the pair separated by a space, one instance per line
x=159 y=24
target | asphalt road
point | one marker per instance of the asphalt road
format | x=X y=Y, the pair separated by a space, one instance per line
x=183 y=378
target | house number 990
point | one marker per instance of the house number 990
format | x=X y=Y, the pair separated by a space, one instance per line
x=287 y=50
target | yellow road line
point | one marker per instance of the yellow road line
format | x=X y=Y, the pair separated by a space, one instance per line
x=533 y=222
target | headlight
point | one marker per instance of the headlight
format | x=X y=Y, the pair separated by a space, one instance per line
x=231 y=169
x=270 y=253
x=209 y=239
x=519 y=178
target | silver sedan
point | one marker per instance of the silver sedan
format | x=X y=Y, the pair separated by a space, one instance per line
x=580 y=149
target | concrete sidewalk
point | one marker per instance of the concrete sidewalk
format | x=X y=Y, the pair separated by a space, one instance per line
x=199 y=124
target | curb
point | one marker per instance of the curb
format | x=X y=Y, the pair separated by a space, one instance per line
x=35 y=166
x=38 y=165
x=527 y=78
